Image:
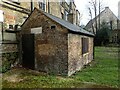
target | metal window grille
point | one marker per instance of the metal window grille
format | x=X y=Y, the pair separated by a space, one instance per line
x=85 y=43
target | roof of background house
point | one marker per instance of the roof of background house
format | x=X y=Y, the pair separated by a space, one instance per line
x=66 y=24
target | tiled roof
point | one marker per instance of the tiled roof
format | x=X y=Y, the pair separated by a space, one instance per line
x=68 y=25
x=71 y=27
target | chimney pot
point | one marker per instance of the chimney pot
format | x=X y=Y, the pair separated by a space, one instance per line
x=106 y=7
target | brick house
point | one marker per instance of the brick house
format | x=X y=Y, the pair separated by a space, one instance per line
x=54 y=45
x=16 y=11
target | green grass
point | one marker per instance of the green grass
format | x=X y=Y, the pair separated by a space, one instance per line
x=104 y=69
x=102 y=72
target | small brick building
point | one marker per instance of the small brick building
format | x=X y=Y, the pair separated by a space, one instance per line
x=54 y=45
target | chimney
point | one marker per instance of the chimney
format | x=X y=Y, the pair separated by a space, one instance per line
x=106 y=7
x=70 y=18
x=77 y=17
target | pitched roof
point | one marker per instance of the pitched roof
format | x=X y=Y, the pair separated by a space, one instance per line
x=89 y=24
x=66 y=24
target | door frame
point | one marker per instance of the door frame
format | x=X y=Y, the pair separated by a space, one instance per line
x=32 y=66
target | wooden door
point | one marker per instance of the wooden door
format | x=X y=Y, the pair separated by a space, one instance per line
x=28 y=57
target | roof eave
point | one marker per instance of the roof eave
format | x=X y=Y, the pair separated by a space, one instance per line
x=80 y=33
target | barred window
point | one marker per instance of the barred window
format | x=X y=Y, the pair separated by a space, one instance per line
x=85 y=45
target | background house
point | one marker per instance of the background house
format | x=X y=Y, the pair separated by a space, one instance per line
x=16 y=12
x=105 y=16
x=112 y=21
x=54 y=45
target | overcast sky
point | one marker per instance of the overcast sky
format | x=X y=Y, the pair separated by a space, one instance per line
x=83 y=4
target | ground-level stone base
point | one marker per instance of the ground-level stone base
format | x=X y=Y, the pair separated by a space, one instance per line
x=8 y=56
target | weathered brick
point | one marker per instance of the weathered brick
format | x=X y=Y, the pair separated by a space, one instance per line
x=56 y=50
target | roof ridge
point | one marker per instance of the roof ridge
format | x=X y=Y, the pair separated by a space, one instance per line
x=66 y=24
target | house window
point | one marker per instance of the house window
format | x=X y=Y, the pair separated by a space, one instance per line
x=85 y=45
x=42 y=4
x=1 y=16
x=10 y=26
x=53 y=27
x=48 y=7
x=62 y=15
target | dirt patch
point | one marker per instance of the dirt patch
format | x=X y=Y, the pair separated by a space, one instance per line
x=33 y=79
x=20 y=74
x=13 y=78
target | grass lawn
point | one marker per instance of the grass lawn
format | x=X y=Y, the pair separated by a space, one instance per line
x=102 y=72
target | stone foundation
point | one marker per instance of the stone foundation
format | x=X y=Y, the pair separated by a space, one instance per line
x=8 y=56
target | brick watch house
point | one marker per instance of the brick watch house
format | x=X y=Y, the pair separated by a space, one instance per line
x=15 y=13
x=53 y=45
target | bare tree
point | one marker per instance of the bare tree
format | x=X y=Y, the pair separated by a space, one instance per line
x=80 y=18
x=95 y=6
x=100 y=8
x=99 y=15
x=90 y=12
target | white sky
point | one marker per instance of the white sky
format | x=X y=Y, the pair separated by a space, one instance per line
x=83 y=4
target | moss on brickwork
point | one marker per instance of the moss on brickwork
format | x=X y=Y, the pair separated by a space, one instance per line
x=8 y=59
